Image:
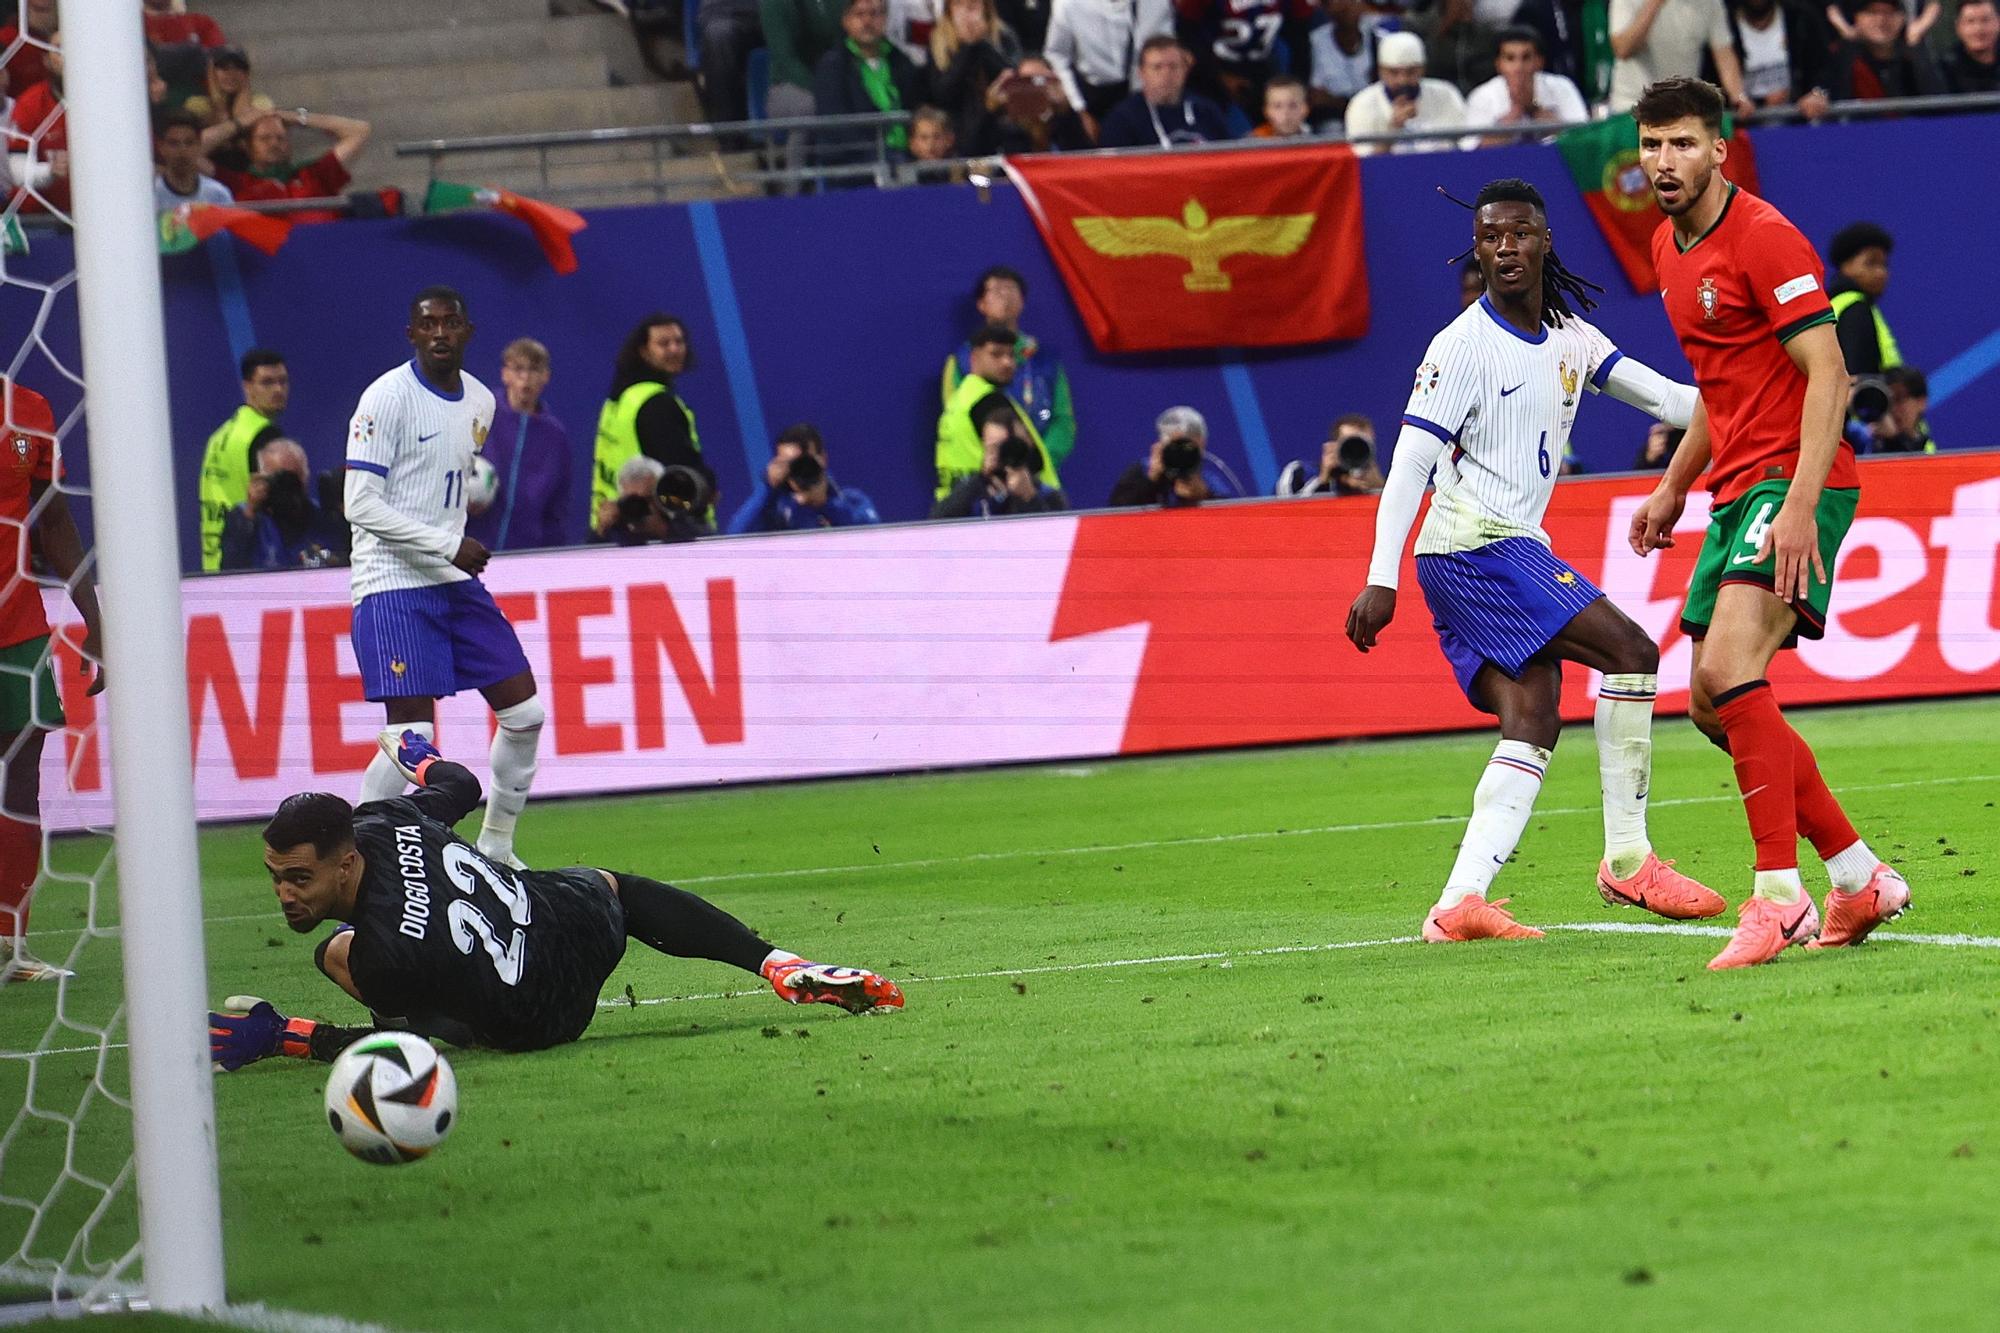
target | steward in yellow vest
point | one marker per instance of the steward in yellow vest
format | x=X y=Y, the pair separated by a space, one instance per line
x=643 y=414
x=960 y=452
x=231 y=456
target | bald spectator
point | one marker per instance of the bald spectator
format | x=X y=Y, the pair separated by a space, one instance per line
x=279 y=526
x=273 y=174
x=1403 y=99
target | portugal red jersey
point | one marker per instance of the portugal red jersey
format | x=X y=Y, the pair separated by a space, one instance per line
x=28 y=456
x=1747 y=285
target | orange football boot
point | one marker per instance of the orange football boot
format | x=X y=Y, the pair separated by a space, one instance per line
x=1850 y=916
x=1475 y=919
x=1660 y=889
x=1765 y=929
x=854 y=989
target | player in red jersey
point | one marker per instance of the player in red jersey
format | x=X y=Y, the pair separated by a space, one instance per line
x=29 y=705
x=1747 y=298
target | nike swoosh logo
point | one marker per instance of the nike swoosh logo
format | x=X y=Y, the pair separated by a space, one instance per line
x=1804 y=912
x=1742 y=559
x=426 y=439
x=1505 y=392
x=1753 y=791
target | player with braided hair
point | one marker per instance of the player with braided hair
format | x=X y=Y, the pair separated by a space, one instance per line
x=1491 y=411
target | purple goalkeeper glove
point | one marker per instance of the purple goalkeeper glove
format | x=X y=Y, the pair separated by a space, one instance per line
x=410 y=751
x=236 y=1039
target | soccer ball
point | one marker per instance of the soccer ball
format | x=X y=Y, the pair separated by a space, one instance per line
x=482 y=483
x=391 y=1098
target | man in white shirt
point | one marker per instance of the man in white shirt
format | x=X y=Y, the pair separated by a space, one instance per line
x=1523 y=93
x=1343 y=57
x=177 y=149
x=1403 y=99
x=424 y=625
x=1658 y=39
x=1094 y=45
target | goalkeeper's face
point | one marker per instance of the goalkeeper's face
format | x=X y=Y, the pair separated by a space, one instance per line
x=310 y=887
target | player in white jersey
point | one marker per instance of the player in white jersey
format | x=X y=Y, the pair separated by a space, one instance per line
x=424 y=625
x=1491 y=411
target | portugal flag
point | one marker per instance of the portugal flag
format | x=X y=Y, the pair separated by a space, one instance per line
x=185 y=227
x=1603 y=160
x=552 y=224
x=1244 y=248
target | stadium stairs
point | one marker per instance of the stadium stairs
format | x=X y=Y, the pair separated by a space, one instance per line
x=418 y=70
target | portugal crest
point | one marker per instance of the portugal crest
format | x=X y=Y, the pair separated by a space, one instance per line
x=1710 y=298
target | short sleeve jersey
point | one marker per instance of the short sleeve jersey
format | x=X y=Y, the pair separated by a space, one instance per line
x=421 y=442
x=29 y=456
x=1504 y=403
x=1736 y=296
x=1239 y=34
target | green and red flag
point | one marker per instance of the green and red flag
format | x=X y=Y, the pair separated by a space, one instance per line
x=552 y=225
x=1603 y=160
x=189 y=225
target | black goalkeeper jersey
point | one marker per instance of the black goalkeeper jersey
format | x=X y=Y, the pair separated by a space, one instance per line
x=440 y=930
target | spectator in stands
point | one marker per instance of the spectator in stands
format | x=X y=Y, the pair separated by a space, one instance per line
x=38 y=136
x=1560 y=22
x=1403 y=99
x=25 y=63
x=1028 y=20
x=644 y=415
x=1095 y=47
x=728 y=31
x=1458 y=37
x=530 y=450
x=229 y=108
x=1471 y=283
x=1347 y=463
x=169 y=25
x=274 y=175
x=1973 y=66
x=1860 y=255
x=865 y=73
x=1285 y=109
x=971 y=51
x=1239 y=45
x=278 y=526
x=1658 y=450
x=177 y=150
x=1343 y=57
x=1657 y=39
x=1035 y=115
x=1878 y=63
x=1522 y=91
x=933 y=147
x=1786 y=53
x=1163 y=111
x=1040 y=384
x=990 y=374
x=1008 y=481
x=636 y=516
x=1922 y=16
x=231 y=454
x=1178 y=471
x=797 y=493
x=1903 y=429
x=797 y=33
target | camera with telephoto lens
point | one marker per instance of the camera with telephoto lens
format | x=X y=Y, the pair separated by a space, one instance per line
x=285 y=499
x=804 y=472
x=682 y=488
x=1354 y=452
x=1180 y=457
x=1868 y=400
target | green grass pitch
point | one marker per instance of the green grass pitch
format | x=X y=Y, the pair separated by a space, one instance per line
x=1588 y=1131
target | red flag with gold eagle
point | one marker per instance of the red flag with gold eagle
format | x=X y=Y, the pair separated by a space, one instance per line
x=1603 y=160
x=1244 y=248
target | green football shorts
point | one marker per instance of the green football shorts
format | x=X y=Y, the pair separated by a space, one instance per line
x=28 y=695
x=1729 y=554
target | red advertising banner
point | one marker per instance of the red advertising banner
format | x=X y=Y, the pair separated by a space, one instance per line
x=953 y=644
x=1211 y=249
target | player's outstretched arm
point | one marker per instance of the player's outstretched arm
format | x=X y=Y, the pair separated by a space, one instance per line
x=1630 y=380
x=1653 y=522
x=1417 y=452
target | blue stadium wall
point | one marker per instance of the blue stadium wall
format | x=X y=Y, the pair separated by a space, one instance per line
x=839 y=309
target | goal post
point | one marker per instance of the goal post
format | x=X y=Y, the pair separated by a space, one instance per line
x=159 y=874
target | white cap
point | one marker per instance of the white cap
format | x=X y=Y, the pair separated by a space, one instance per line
x=1397 y=49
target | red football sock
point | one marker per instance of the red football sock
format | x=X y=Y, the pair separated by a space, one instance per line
x=1820 y=817
x=20 y=863
x=1761 y=743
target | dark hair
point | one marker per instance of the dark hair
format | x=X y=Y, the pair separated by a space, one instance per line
x=1669 y=100
x=177 y=118
x=1560 y=287
x=995 y=404
x=1913 y=381
x=988 y=334
x=256 y=359
x=632 y=366
x=1855 y=237
x=1160 y=42
x=1520 y=32
x=1360 y=419
x=1285 y=81
x=1002 y=273
x=805 y=435
x=317 y=817
x=437 y=291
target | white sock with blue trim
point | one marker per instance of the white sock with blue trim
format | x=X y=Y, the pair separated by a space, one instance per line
x=1501 y=805
x=1624 y=725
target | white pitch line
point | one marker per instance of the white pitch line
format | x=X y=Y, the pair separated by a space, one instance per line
x=1093 y=849
x=1682 y=928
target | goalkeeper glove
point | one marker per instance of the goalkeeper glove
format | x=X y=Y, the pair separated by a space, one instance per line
x=409 y=751
x=249 y=1029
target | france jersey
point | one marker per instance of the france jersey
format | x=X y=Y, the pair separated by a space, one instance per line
x=421 y=443
x=1503 y=403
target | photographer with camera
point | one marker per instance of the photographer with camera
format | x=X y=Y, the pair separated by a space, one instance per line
x=1347 y=462
x=1009 y=478
x=992 y=365
x=796 y=491
x=1900 y=428
x=1178 y=471
x=658 y=502
x=278 y=525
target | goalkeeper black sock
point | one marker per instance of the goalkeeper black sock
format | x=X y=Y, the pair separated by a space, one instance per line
x=677 y=922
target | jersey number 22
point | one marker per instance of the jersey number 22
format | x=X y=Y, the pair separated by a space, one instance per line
x=469 y=925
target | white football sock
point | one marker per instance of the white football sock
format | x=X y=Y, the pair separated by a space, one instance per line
x=1500 y=808
x=383 y=781
x=1624 y=725
x=1780 y=886
x=775 y=956
x=1851 y=869
x=514 y=744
